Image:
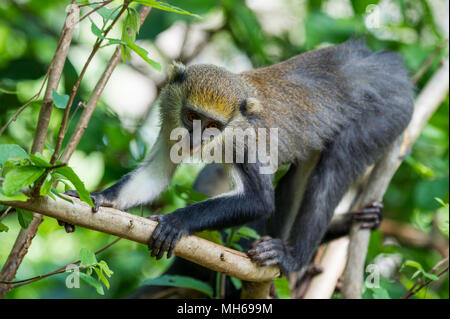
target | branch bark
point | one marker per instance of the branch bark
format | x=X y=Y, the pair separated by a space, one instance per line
x=427 y=103
x=115 y=222
x=23 y=240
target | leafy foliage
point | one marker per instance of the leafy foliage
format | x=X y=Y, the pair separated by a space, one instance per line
x=29 y=33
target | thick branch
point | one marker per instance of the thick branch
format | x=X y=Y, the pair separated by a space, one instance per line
x=138 y=229
x=427 y=103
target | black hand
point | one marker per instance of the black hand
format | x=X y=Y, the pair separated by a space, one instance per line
x=166 y=235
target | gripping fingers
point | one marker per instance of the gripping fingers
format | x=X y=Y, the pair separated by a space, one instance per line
x=266 y=251
x=164 y=238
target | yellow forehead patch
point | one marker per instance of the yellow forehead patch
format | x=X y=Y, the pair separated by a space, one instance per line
x=218 y=106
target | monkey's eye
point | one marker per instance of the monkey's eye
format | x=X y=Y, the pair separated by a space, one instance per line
x=212 y=125
x=193 y=116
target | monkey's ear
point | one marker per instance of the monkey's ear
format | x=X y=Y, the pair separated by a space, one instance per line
x=176 y=72
x=251 y=106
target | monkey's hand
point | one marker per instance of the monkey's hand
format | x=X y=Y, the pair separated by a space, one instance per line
x=97 y=199
x=268 y=251
x=370 y=216
x=166 y=235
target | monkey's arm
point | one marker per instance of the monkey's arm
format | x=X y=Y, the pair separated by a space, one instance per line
x=142 y=185
x=252 y=198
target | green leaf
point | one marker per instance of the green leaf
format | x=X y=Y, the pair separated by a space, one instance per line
x=143 y=54
x=211 y=235
x=430 y=276
x=165 y=7
x=68 y=172
x=17 y=197
x=440 y=201
x=189 y=194
x=129 y=30
x=237 y=246
x=96 y=31
x=417 y=273
x=20 y=177
x=237 y=283
x=247 y=232
x=181 y=281
x=101 y=277
x=11 y=151
x=414 y=264
x=47 y=185
x=60 y=100
x=39 y=160
x=93 y=282
x=282 y=288
x=104 y=266
x=107 y=14
x=25 y=217
x=55 y=191
x=3 y=228
x=87 y=257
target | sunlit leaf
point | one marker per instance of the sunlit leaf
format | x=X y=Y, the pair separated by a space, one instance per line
x=17 y=197
x=20 y=177
x=11 y=151
x=87 y=257
x=68 y=172
x=165 y=6
x=60 y=100
x=143 y=54
x=282 y=288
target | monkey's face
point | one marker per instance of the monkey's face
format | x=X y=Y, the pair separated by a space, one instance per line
x=205 y=100
x=199 y=123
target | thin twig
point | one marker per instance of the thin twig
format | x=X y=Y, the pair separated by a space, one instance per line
x=62 y=129
x=94 y=10
x=428 y=62
x=5 y=213
x=412 y=291
x=18 y=283
x=34 y=97
x=95 y=96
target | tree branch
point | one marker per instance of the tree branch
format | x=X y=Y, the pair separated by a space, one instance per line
x=88 y=110
x=115 y=222
x=23 y=240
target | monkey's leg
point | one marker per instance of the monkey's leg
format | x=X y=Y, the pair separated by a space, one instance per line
x=341 y=163
x=369 y=217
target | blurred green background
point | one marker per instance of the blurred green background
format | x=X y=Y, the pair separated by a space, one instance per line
x=239 y=35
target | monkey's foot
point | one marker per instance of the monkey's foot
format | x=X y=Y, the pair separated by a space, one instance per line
x=267 y=251
x=370 y=216
x=97 y=199
x=166 y=235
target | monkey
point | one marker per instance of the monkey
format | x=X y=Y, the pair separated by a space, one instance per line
x=335 y=109
x=213 y=181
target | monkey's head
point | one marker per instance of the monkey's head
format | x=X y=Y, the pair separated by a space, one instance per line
x=207 y=93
